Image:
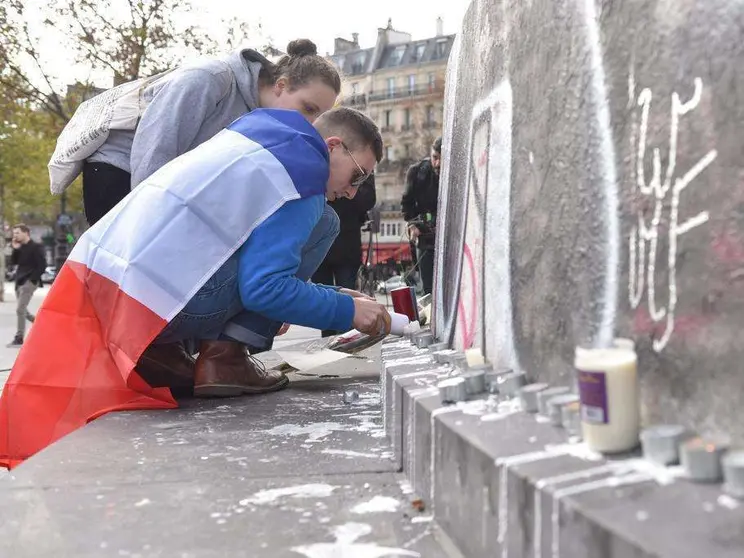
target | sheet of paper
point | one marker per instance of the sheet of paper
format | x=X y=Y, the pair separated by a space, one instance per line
x=303 y=360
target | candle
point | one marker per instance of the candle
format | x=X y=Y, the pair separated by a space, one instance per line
x=555 y=407
x=423 y=339
x=733 y=473
x=452 y=390
x=571 y=418
x=398 y=323
x=528 y=396
x=608 y=388
x=544 y=395
x=475 y=381
x=661 y=443
x=701 y=459
x=474 y=357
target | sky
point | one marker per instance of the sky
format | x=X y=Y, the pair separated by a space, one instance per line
x=284 y=20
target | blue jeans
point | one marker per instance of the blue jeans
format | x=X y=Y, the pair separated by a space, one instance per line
x=216 y=311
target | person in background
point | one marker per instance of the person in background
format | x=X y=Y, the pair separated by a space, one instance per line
x=28 y=257
x=341 y=265
x=419 y=205
x=193 y=103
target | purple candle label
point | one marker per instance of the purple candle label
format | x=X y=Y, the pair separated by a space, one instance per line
x=593 y=395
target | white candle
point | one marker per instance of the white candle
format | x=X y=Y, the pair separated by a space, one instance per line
x=608 y=387
x=474 y=357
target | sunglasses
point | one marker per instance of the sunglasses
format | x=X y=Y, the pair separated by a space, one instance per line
x=362 y=175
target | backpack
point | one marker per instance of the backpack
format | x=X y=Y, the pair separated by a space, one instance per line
x=119 y=108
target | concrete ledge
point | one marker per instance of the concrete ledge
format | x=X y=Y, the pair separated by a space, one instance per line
x=498 y=480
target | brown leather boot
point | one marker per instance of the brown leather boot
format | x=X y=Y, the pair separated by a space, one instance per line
x=225 y=369
x=168 y=366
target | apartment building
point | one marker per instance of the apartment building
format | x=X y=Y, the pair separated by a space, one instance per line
x=399 y=83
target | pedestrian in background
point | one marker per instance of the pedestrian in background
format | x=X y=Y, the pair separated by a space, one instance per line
x=30 y=262
x=341 y=265
x=419 y=205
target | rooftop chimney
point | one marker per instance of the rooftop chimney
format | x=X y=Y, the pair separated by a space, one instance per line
x=355 y=38
x=440 y=27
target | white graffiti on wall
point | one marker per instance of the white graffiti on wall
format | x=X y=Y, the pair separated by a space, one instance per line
x=662 y=191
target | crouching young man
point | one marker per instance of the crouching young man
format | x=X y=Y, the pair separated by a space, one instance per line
x=240 y=308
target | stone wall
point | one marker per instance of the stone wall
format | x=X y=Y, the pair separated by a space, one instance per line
x=592 y=186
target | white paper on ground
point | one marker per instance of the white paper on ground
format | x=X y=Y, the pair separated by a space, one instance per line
x=303 y=361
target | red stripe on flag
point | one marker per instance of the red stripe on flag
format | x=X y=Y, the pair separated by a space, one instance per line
x=77 y=363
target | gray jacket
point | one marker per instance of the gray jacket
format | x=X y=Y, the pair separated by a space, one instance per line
x=186 y=108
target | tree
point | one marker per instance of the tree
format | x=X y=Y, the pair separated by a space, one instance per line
x=126 y=38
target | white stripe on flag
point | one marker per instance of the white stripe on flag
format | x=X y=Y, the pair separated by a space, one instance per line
x=200 y=207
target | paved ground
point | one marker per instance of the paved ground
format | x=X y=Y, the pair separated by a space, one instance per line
x=8 y=327
x=295 y=473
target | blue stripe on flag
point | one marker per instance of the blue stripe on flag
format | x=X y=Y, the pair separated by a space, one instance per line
x=293 y=141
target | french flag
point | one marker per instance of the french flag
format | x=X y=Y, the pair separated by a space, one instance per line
x=134 y=270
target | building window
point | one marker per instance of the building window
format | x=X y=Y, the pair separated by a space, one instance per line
x=388 y=119
x=429 y=115
x=420 y=51
x=397 y=55
x=391 y=86
x=432 y=79
x=389 y=152
x=407 y=119
x=354 y=89
x=407 y=149
x=440 y=49
x=411 y=83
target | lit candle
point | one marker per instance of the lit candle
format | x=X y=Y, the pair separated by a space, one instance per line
x=701 y=459
x=608 y=389
x=474 y=357
x=733 y=473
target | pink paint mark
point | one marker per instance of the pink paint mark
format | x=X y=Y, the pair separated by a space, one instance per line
x=483 y=159
x=467 y=323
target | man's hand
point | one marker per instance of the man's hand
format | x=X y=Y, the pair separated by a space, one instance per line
x=355 y=294
x=15 y=244
x=370 y=317
x=413 y=232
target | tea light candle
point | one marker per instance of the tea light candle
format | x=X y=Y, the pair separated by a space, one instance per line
x=474 y=357
x=608 y=389
x=661 y=443
x=528 y=396
x=475 y=381
x=733 y=473
x=452 y=390
x=544 y=395
x=555 y=407
x=701 y=459
x=423 y=340
x=571 y=418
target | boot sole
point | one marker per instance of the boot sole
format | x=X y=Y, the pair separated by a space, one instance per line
x=221 y=390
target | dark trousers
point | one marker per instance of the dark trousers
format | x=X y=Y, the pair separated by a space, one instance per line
x=340 y=275
x=425 y=258
x=104 y=186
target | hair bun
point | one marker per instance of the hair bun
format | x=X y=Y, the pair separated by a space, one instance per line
x=302 y=47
